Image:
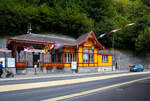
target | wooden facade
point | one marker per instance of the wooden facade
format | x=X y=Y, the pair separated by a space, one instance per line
x=86 y=51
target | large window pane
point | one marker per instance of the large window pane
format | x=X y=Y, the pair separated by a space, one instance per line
x=91 y=60
x=73 y=57
x=67 y=57
x=104 y=58
x=88 y=56
x=85 y=58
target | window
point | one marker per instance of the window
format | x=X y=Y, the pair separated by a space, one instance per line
x=73 y=58
x=67 y=57
x=91 y=60
x=85 y=58
x=104 y=58
x=88 y=56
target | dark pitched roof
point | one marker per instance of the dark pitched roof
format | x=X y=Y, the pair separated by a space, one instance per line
x=46 y=38
x=82 y=37
x=59 y=39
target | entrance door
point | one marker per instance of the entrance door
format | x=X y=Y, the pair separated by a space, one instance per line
x=36 y=57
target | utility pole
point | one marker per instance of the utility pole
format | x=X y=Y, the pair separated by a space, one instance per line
x=113 y=50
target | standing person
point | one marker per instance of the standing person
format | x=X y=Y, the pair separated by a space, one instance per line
x=1 y=69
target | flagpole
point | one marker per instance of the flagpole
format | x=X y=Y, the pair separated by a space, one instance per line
x=113 y=51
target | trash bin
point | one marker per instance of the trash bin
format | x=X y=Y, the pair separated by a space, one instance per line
x=118 y=67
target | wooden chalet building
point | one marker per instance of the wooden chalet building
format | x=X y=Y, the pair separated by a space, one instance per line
x=86 y=51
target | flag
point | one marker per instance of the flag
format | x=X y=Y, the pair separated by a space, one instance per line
x=30 y=48
x=128 y=25
x=46 y=49
x=115 y=30
x=102 y=35
x=51 y=46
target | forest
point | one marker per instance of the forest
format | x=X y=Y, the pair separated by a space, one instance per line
x=76 y=17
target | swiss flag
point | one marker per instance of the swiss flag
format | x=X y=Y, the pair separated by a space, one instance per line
x=30 y=48
x=51 y=46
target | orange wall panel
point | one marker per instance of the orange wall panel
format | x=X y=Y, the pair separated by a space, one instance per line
x=80 y=55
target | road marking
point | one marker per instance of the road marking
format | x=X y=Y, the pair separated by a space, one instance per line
x=93 y=90
x=14 y=87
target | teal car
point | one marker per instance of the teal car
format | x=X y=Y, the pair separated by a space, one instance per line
x=136 y=68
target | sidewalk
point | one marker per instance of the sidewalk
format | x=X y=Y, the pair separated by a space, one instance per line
x=60 y=74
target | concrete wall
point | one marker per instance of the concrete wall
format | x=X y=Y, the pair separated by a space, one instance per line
x=3 y=43
x=124 y=59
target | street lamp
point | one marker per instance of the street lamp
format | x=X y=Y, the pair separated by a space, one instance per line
x=113 y=51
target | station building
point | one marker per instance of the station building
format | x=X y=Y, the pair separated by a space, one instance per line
x=86 y=51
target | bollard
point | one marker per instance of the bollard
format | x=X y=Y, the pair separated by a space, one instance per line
x=35 y=66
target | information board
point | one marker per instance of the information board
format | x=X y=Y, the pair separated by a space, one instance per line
x=10 y=62
x=74 y=65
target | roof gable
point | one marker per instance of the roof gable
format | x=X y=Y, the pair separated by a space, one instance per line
x=85 y=37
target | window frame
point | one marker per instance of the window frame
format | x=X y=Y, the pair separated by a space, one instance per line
x=67 y=58
x=73 y=57
x=89 y=56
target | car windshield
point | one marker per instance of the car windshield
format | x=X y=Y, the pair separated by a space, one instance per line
x=139 y=65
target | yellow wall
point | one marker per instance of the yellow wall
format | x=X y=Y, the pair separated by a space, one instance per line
x=80 y=55
x=97 y=57
x=100 y=63
x=89 y=43
x=67 y=65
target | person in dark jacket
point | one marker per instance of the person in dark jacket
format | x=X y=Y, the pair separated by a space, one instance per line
x=1 y=69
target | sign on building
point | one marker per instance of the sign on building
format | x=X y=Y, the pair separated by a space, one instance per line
x=10 y=62
x=73 y=65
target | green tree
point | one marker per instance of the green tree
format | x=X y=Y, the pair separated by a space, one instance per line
x=143 y=41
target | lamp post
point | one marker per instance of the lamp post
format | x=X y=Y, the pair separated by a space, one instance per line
x=113 y=52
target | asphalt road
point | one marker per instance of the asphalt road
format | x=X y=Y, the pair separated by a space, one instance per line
x=95 y=87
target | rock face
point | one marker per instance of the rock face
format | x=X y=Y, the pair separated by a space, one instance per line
x=3 y=44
